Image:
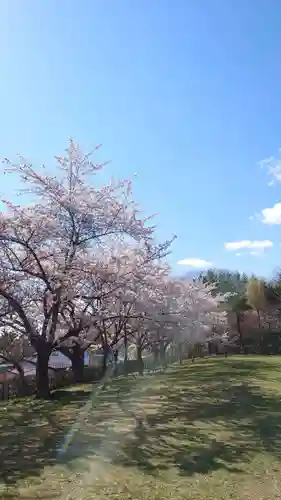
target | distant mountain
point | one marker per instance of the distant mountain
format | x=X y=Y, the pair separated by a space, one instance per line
x=192 y=274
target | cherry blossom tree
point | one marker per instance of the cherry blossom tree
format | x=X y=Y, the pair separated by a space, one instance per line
x=170 y=311
x=47 y=249
x=14 y=349
x=116 y=283
x=79 y=267
x=105 y=304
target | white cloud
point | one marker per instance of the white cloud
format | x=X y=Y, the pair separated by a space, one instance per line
x=272 y=215
x=256 y=253
x=237 y=245
x=199 y=263
x=238 y=254
x=273 y=166
x=255 y=216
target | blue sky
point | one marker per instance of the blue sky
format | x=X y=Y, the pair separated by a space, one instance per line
x=186 y=93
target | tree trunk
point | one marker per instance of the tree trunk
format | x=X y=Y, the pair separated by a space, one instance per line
x=78 y=370
x=105 y=358
x=140 y=360
x=115 y=359
x=238 y=324
x=42 y=372
x=76 y=355
x=104 y=362
x=23 y=390
x=77 y=361
x=162 y=353
x=125 y=354
x=259 y=319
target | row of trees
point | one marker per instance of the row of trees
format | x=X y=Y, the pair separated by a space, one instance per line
x=244 y=294
x=80 y=268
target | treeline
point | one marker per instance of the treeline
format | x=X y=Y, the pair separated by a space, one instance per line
x=253 y=306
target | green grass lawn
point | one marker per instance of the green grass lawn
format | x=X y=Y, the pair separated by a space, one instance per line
x=210 y=430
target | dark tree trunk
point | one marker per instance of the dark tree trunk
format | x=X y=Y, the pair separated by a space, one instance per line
x=104 y=363
x=140 y=360
x=259 y=319
x=238 y=323
x=162 y=354
x=180 y=352
x=76 y=355
x=77 y=361
x=115 y=358
x=42 y=372
x=23 y=387
x=105 y=358
x=125 y=354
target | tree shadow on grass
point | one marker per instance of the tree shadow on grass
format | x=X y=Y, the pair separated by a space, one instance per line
x=209 y=419
x=32 y=431
x=178 y=437
x=198 y=418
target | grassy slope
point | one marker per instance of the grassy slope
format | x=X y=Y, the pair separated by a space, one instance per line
x=212 y=430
